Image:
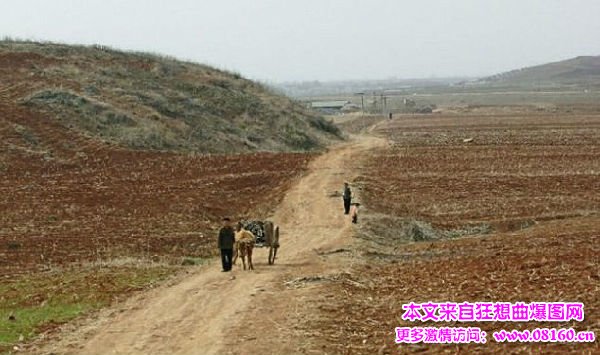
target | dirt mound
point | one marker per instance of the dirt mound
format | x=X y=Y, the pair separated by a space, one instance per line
x=393 y=230
x=146 y=101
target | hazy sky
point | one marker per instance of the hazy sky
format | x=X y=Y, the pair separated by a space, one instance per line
x=280 y=40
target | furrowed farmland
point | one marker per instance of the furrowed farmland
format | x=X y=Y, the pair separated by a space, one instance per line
x=92 y=223
x=500 y=170
x=108 y=203
x=466 y=208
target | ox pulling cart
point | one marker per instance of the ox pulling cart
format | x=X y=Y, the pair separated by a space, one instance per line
x=267 y=236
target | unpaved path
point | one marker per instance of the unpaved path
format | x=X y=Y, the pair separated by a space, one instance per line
x=202 y=313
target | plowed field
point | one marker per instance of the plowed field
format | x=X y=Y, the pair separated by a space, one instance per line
x=515 y=203
x=67 y=198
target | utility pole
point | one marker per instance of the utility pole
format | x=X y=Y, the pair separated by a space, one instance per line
x=384 y=105
x=362 y=101
x=374 y=101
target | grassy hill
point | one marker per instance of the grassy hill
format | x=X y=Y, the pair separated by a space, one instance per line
x=584 y=71
x=146 y=101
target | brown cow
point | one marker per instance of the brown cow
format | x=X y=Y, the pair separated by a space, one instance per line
x=244 y=245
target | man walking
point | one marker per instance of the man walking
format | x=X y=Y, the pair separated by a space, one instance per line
x=347 y=198
x=226 y=241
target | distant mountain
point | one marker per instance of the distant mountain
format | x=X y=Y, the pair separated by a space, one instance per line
x=584 y=70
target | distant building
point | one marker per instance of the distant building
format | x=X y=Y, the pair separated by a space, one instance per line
x=329 y=106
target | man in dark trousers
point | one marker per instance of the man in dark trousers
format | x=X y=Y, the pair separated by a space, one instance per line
x=347 y=198
x=226 y=241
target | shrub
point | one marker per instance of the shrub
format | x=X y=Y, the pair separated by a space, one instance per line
x=323 y=125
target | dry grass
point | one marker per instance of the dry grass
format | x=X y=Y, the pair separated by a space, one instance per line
x=145 y=101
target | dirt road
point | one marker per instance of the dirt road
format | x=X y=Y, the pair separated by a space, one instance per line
x=203 y=312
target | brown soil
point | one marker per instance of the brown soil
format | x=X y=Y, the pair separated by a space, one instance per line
x=206 y=312
x=68 y=198
x=332 y=293
x=531 y=180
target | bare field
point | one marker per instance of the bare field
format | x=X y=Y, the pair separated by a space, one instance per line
x=457 y=170
x=556 y=261
x=531 y=180
x=511 y=196
x=84 y=223
x=78 y=200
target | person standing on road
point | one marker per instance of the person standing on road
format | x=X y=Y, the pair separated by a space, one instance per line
x=347 y=198
x=225 y=243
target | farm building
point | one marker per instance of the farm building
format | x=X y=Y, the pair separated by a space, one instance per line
x=329 y=106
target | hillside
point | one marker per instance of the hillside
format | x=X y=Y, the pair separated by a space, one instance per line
x=145 y=101
x=583 y=70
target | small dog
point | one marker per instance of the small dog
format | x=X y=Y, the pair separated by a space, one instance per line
x=354 y=212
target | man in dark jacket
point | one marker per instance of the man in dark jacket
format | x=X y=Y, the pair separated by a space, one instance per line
x=226 y=241
x=347 y=198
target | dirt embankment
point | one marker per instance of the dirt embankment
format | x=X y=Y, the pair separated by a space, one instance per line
x=146 y=101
